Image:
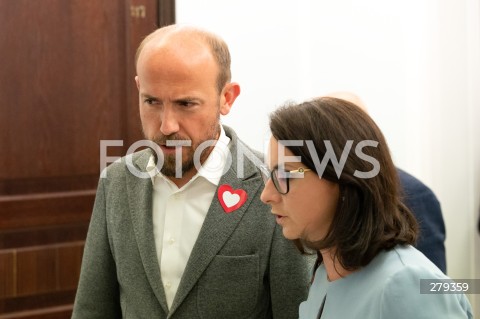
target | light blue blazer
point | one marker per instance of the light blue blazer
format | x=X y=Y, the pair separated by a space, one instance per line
x=387 y=288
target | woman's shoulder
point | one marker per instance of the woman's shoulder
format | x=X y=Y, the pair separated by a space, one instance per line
x=406 y=266
x=397 y=261
x=401 y=296
x=408 y=257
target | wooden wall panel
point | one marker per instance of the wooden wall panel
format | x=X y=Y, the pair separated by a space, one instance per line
x=61 y=312
x=68 y=83
x=7 y=274
x=40 y=276
x=38 y=303
x=166 y=12
x=46 y=209
x=42 y=236
x=36 y=271
x=69 y=259
x=63 y=97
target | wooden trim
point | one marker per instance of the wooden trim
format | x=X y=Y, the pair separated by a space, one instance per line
x=45 y=313
x=13 y=305
x=24 y=186
x=39 y=236
x=37 y=210
x=166 y=12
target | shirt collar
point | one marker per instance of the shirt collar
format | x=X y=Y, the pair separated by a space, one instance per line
x=212 y=169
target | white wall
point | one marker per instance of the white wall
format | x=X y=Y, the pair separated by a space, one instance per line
x=416 y=64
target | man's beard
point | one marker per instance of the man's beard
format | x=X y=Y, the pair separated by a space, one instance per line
x=188 y=163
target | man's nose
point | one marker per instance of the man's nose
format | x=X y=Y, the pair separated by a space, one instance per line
x=169 y=120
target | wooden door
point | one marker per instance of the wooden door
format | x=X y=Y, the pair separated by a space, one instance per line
x=66 y=82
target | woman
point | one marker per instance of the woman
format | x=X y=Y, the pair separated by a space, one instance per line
x=349 y=211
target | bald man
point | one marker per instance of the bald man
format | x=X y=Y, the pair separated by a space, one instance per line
x=178 y=230
x=421 y=201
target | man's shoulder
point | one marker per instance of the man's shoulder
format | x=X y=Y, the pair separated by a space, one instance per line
x=253 y=156
x=137 y=160
x=412 y=186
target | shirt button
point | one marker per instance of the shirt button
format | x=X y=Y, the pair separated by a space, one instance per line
x=171 y=241
x=168 y=285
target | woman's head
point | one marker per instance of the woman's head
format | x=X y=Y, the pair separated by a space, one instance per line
x=303 y=204
x=355 y=207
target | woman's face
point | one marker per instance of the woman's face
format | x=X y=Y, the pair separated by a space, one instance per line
x=307 y=210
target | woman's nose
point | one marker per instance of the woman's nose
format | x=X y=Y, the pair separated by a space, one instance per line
x=269 y=194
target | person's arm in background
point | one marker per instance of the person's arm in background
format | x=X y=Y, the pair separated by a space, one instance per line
x=425 y=206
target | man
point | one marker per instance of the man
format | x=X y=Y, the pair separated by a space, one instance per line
x=425 y=206
x=422 y=202
x=192 y=240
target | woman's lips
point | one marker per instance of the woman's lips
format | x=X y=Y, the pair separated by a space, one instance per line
x=279 y=218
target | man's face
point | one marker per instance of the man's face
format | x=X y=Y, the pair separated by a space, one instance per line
x=179 y=100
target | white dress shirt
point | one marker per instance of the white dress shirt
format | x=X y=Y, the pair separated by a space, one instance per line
x=178 y=213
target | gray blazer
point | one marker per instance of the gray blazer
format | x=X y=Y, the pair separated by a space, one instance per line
x=240 y=266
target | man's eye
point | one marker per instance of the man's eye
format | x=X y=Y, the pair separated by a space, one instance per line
x=149 y=101
x=186 y=103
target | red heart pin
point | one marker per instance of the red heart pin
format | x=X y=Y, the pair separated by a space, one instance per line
x=231 y=199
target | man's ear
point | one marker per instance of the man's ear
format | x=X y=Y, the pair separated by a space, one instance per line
x=229 y=94
x=137 y=81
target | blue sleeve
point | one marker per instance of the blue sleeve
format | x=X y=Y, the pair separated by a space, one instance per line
x=425 y=206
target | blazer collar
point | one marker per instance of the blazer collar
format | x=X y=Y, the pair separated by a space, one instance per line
x=139 y=192
x=216 y=229
x=218 y=226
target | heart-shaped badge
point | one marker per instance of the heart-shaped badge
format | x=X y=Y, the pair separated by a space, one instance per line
x=231 y=199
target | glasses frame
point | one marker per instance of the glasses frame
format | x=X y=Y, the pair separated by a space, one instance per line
x=273 y=175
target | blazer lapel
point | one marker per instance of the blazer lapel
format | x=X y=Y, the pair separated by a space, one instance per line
x=140 y=204
x=218 y=225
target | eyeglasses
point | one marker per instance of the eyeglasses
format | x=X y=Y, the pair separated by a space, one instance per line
x=281 y=179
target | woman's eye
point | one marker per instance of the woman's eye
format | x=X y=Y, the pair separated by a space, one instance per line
x=282 y=175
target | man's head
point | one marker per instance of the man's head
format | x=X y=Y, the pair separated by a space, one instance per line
x=218 y=47
x=183 y=78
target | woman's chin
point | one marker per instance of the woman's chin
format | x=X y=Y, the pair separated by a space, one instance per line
x=290 y=235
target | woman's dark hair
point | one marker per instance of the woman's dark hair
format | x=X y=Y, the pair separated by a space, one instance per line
x=370 y=215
